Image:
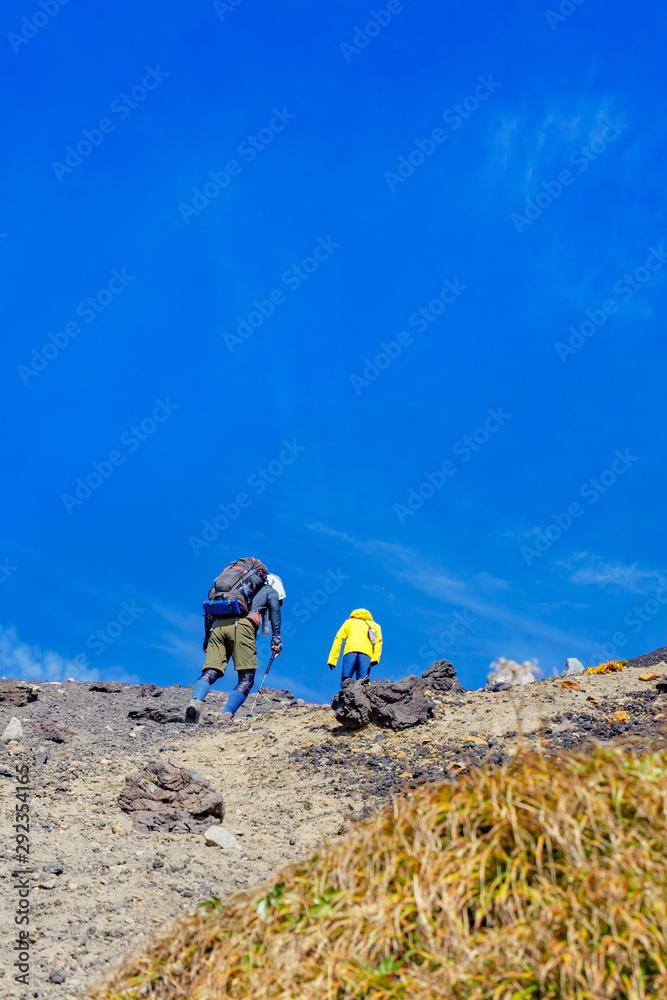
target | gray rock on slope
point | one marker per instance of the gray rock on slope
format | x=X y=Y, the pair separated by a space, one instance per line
x=393 y=704
x=217 y=836
x=162 y=714
x=441 y=677
x=389 y=704
x=13 y=730
x=573 y=666
x=164 y=797
x=17 y=693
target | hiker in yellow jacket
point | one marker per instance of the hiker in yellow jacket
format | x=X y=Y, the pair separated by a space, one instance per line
x=363 y=645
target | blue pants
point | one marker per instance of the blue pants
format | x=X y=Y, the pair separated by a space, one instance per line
x=246 y=679
x=356 y=663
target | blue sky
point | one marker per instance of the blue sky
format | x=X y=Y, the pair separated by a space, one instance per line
x=380 y=292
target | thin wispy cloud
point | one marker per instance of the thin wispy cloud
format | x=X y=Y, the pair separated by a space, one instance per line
x=596 y=571
x=30 y=663
x=425 y=576
x=183 y=638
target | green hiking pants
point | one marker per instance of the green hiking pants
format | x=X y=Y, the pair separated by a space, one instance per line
x=231 y=638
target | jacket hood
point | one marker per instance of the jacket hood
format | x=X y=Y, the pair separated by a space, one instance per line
x=362 y=613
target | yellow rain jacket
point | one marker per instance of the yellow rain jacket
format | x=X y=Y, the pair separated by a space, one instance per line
x=355 y=634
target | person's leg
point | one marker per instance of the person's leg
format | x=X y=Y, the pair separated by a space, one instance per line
x=218 y=649
x=203 y=685
x=349 y=665
x=363 y=665
x=217 y=655
x=246 y=679
x=244 y=654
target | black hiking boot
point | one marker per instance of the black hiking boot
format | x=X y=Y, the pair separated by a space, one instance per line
x=193 y=711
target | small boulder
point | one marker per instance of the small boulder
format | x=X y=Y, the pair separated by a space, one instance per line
x=573 y=666
x=352 y=706
x=441 y=678
x=217 y=836
x=17 y=693
x=162 y=714
x=390 y=704
x=55 y=733
x=164 y=797
x=106 y=687
x=13 y=730
x=150 y=691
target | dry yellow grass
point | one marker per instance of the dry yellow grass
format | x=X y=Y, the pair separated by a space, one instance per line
x=545 y=880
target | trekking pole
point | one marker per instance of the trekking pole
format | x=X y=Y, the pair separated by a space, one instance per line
x=266 y=674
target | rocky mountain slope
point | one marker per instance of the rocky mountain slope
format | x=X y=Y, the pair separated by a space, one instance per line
x=291 y=778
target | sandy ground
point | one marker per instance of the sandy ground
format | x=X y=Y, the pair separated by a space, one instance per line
x=291 y=780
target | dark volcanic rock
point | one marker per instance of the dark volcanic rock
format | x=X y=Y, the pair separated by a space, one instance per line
x=17 y=693
x=150 y=691
x=389 y=704
x=400 y=704
x=162 y=714
x=352 y=705
x=650 y=659
x=394 y=704
x=441 y=677
x=57 y=733
x=166 y=797
x=106 y=687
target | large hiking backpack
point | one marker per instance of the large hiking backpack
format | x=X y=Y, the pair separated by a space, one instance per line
x=233 y=591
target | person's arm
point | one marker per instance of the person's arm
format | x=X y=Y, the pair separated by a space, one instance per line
x=341 y=635
x=273 y=602
x=377 y=650
x=257 y=605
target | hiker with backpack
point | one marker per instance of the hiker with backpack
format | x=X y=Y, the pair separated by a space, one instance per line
x=363 y=645
x=231 y=623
